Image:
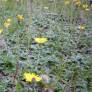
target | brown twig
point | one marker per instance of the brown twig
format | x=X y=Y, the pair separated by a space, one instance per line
x=16 y=72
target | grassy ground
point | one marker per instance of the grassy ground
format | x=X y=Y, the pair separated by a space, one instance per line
x=45 y=46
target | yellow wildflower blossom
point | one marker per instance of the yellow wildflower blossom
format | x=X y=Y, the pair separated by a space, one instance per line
x=29 y=77
x=5 y=0
x=41 y=40
x=1 y=30
x=86 y=7
x=82 y=27
x=77 y=2
x=20 y=17
x=46 y=8
x=7 y=23
x=8 y=20
x=67 y=2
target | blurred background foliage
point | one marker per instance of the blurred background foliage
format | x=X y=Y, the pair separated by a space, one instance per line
x=67 y=56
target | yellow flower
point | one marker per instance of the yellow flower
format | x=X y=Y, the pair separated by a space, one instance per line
x=8 y=20
x=29 y=77
x=77 y=2
x=82 y=27
x=46 y=8
x=87 y=9
x=5 y=0
x=1 y=30
x=67 y=2
x=85 y=6
x=20 y=17
x=41 y=40
x=7 y=23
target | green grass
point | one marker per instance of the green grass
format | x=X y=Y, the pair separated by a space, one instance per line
x=65 y=60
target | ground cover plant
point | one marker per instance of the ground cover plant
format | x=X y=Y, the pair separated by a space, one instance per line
x=45 y=46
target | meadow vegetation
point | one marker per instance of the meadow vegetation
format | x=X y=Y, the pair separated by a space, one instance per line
x=45 y=46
